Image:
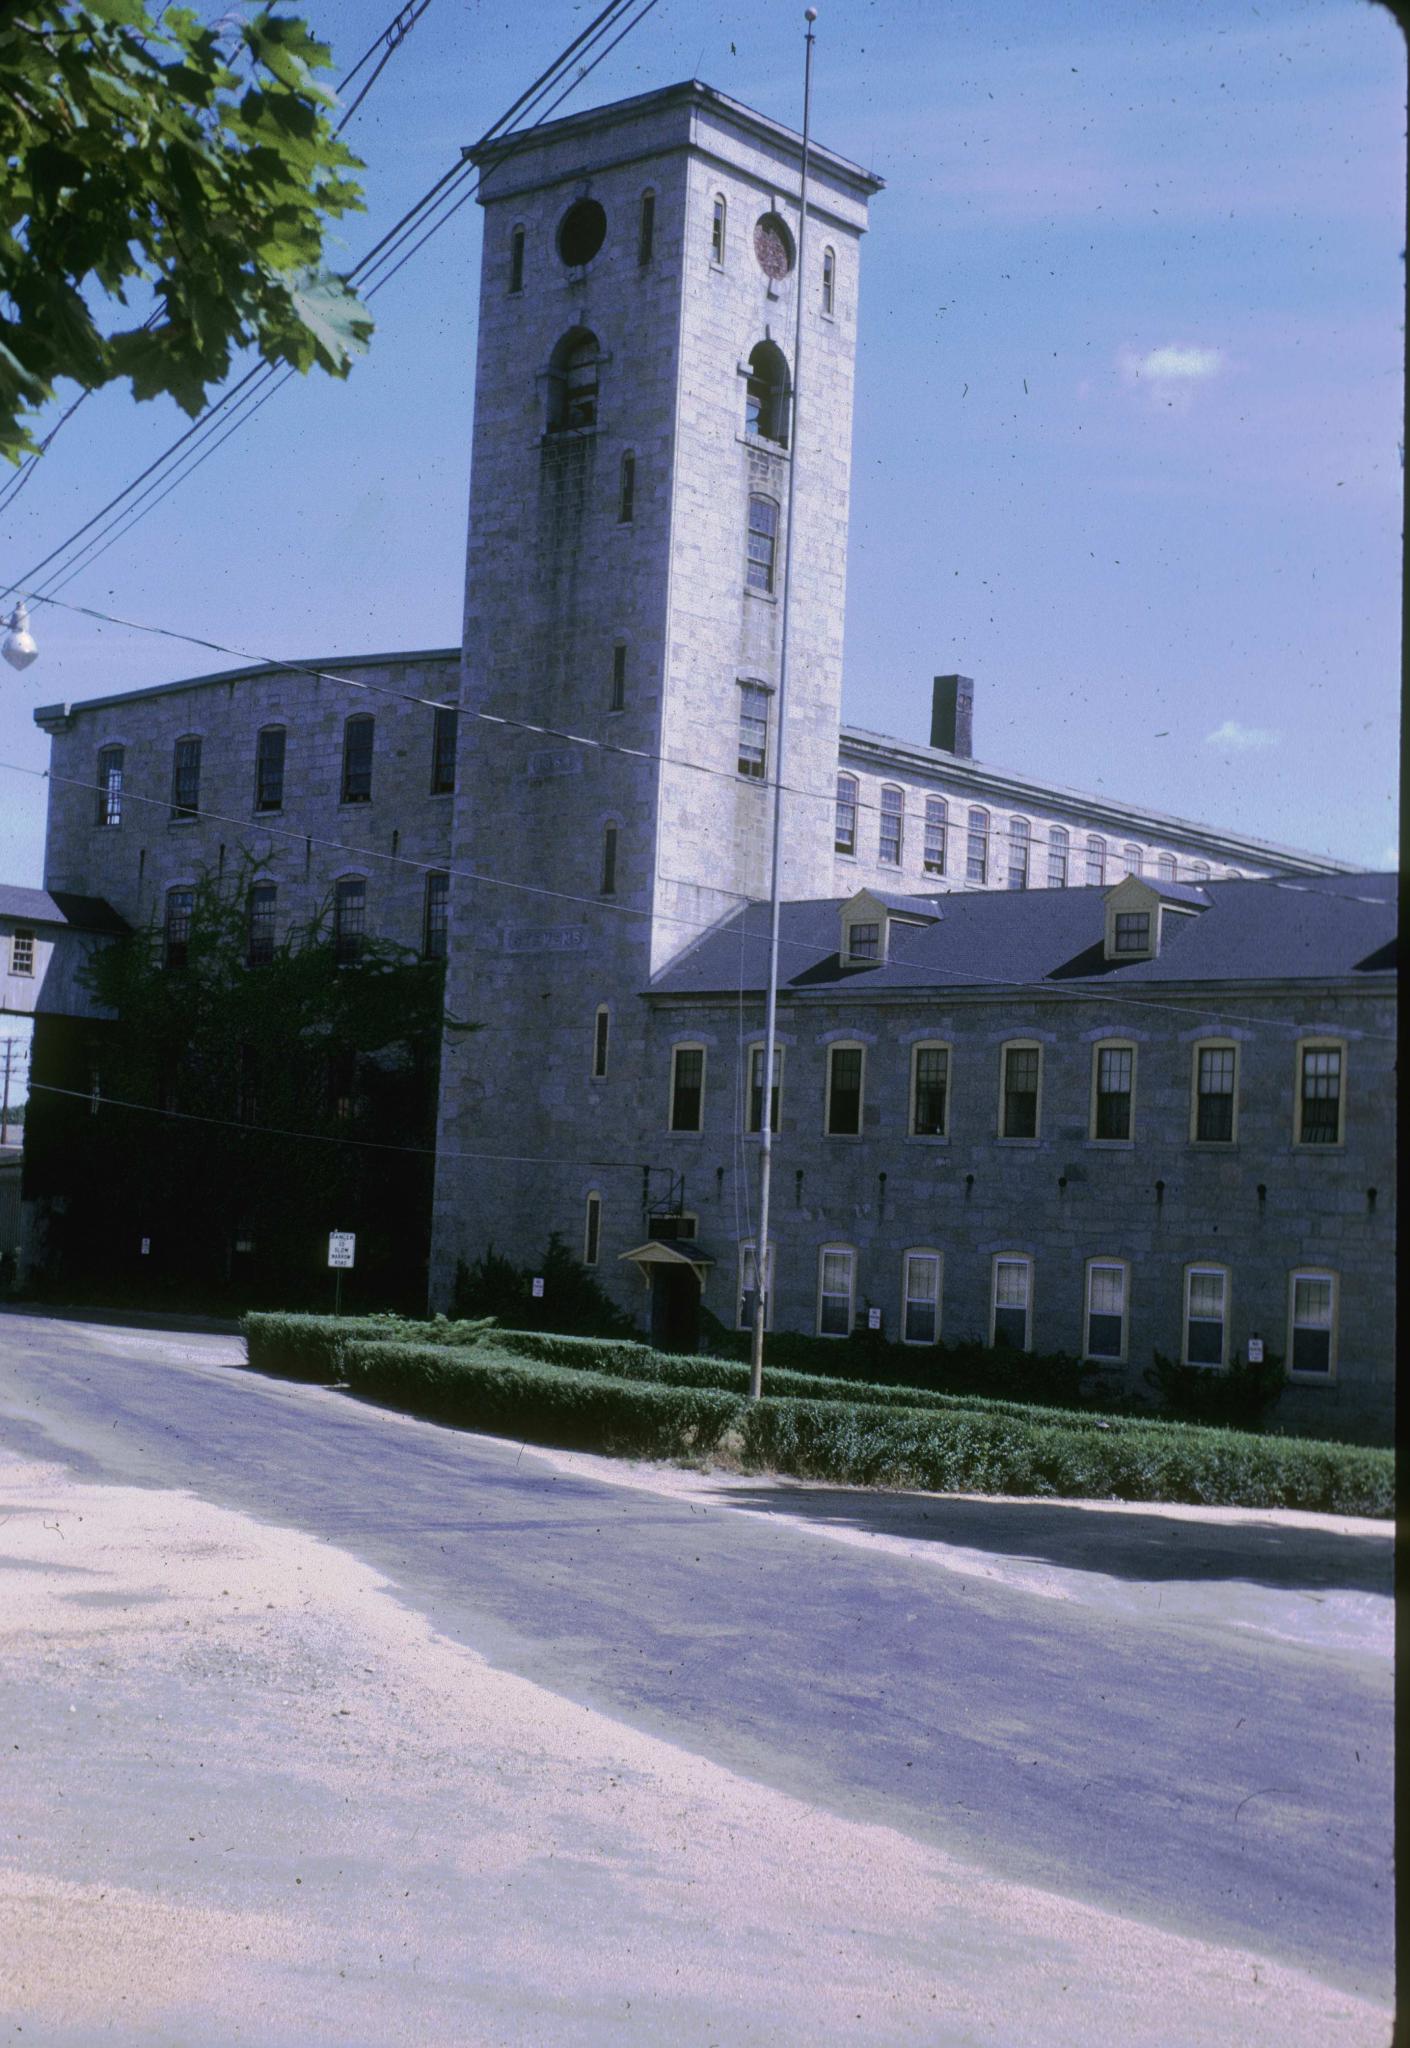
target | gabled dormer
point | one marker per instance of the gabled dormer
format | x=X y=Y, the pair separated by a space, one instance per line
x=868 y=919
x=1143 y=916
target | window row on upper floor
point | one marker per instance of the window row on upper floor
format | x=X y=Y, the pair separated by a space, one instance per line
x=268 y=768
x=1318 y=1107
x=584 y=228
x=969 y=843
x=348 y=926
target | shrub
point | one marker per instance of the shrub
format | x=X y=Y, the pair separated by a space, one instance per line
x=572 y=1298
x=1239 y=1397
x=483 y=1388
x=310 y=1347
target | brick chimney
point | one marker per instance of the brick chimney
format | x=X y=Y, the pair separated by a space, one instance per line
x=952 y=716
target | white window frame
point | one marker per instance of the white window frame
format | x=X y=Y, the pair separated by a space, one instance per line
x=1205 y=1266
x=829 y=282
x=983 y=834
x=601 y=1042
x=592 y=1227
x=719 y=229
x=1304 y=1377
x=930 y=1254
x=183 y=813
x=680 y=1046
x=1020 y=1045
x=1203 y=1045
x=942 y=1136
x=843 y=803
x=752 y=695
x=1020 y=837
x=1136 y=867
x=752 y=1053
x=435 y=898
x=1103 y=1264
x=849 y=1252
x=891 y=809
x=1112 y=1045
x=1059 y=856
x=1094 y=855
x=110 y=781
x=22 y=951
x=846 y=1045
x=1317 y=1041
x=934 y=845
x=1167 y=868
x=1025 y=1260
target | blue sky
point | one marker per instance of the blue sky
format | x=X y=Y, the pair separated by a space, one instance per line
x=1128 y=432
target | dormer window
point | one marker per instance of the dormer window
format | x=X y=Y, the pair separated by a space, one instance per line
x=863 y=944
x=1142 y=916
x=868 y=920
x=1132 y=932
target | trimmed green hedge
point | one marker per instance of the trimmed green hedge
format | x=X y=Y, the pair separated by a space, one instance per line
x=310 y=1347
x=483 y=1388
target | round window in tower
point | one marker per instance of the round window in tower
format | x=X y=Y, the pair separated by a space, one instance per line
x=581 y=232
x=773 y=246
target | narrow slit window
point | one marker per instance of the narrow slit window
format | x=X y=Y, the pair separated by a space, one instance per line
x=753 y=731
x=1057 y=857
x=687 y=1087
x=829 y=282
x=601 y=1035
x=844 y=832
x=608 y=886
x=443 y=749
x=516 y=260
x=892 y=826
x=592 y=1229
x=717 y=229
x=976 y=867
x=626 y=490
x=937 y=818
x=646 y=228
x=435 y=936
x=618 y=699
x=921 y=1297
x=763 y=543
x=1020 y=838
x=110 y=764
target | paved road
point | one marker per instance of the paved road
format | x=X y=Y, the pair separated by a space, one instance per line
x=1232 y=1787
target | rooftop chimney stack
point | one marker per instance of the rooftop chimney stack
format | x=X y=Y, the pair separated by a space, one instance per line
x=952 y=716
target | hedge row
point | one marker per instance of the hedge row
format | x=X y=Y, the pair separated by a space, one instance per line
x=482 y=1388
x=310 y=1347
x=862 y=1443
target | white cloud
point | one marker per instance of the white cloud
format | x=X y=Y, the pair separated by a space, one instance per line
x=1242 y=737
x=1170 y=375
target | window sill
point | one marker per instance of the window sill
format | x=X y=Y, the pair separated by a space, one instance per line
x=843 y=1137
x=764 y=444
x=1302 y=1148
x=267 y=811
x=1109 y=1144
x=928 y=1137
x=183 y=821
x=354 y=803
x=761 y=596
x=1312 y=1379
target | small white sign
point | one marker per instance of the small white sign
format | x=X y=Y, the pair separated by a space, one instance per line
x=1255 y=1351
x=341 y=1246
x=146 y=1246
x=536 y=1287
x=873 y=1318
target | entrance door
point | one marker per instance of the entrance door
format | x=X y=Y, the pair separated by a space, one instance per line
x=675 y=1308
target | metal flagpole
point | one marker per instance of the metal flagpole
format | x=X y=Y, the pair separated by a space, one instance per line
x=763 y=1252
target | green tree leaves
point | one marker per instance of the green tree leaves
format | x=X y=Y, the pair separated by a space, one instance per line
x=153 y=152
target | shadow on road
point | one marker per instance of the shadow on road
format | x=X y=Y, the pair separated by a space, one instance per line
x=174 y=1322
x=1126 y=1545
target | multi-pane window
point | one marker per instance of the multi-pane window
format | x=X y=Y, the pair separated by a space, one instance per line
x=1113 y=1080
x=837 y=1265
x=717 y=229
x=186 y=778
x=1057 y=857
x=1095 y=860
x=1133 y=859
x=893 y=809
x=601 y=1032
x=269 y=769
x=516 y=260
x=1011 y=1302
x=863 y=942
x=626 y=490
x=753 y=730
x=1106 y=1308
x=349 y=919
x=1165 y=867
x=920 y=1298
x=1206 y=1314
x=937 y=818
x=180 y=905
x=592 y=1229
x=435 y=931
x=1312 y=1315
x=1132 y=933
x=1020 y=839
x=646 y=228
x=976 y=866
x=1215 y=1069
x=608 y=885
x=844 y=1091
x=1319 y=1094
x=22 y=953
x=618 y=699
x=756 y=1088
x=829 y=282
x=357 y=758
x=1018 y=1115
x=763 y=542
x=110 y=785
x=444 y=736
x=930 y=1090
x=260 y=908
x=844 y=834
x=1199 y=871
x=687 y=1087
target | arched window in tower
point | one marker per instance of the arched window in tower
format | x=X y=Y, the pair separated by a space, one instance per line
x=829 y=284
x=717 y=229
x=608 y=884
x=646 y=228
x=763 y=542
x=766 y=394
x=516 y=260
x=572 y=379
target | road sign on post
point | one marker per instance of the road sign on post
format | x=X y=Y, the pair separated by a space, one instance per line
x=341 y=1246
x=536 y=1287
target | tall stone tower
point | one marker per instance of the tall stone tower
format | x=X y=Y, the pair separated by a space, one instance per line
x=625 y=569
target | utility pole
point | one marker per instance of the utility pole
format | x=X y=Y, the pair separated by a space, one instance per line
x=12 y=1046
x=763 y=1252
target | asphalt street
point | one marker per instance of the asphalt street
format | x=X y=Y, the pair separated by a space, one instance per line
x=1213 y=1782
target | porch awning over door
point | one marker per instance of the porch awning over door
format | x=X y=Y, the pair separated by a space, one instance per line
x=675 y=1252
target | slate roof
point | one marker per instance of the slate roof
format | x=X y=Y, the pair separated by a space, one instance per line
x=81 y=913
x=1317 y=928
